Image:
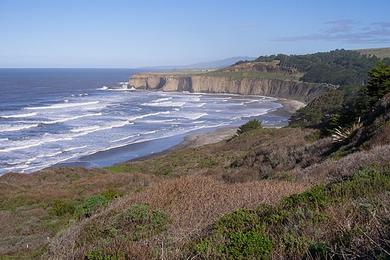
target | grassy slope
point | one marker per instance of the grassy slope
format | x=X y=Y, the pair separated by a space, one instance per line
x=170 y=199
x=256 y=75
x=347 y=218
x=259 y=168
x=343 y=212
x=33 y=208
x=379 y=52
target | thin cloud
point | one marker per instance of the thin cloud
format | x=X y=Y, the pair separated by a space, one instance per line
x=347 y=31
x=339 y=26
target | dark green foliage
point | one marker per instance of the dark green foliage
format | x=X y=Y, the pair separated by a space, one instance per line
x=320 y=113
x=250 y=125
x=379 y=83
x=248 y=244
x=358 y=104
x=314 y=198
x=303 y=225
x=345 y=106
x=338 y=67
x=240 y=240
x=93 y=203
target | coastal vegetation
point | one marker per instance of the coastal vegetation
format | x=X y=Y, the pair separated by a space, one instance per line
x=344 y=106
x=338 y=67
x=250 y=125
x=340 y=219
x=293 y=192
x=254 y=75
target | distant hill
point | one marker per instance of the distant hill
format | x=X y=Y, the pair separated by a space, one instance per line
x=379 y=52
x=219 y=63
x=216 y=64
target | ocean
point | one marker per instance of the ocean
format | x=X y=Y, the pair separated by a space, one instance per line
x=88 y=117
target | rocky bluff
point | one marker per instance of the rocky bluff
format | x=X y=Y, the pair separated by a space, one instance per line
x=221 y=84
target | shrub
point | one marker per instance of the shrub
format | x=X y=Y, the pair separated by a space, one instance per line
x=61 y=208
x=248 y=244
x=112 y=238
x=111 y=194
x=141 y=221
x=250 y=125
x=207 y=163
x=91 y=204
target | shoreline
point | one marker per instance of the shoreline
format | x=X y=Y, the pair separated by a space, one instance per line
x=289 y=106
x=193 y=139
x=201 y=138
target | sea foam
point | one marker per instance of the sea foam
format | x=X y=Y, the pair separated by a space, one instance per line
x=63 y=105
x=19 y=115
x=14 y=128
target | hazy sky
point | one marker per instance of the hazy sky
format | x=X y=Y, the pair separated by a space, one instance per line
x=116 y=33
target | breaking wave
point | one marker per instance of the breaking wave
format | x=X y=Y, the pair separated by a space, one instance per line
x=19 y=115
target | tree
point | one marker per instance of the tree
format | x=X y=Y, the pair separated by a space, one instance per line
x=379 y=82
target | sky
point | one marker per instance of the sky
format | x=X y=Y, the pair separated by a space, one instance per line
x=128 y=34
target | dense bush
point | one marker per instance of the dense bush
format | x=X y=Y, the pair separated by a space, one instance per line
x=112 y=239
x=379 y=83
x=345 y=106
x=91 y=204
x=250 y=125
x=142 y=222
x=320 y=112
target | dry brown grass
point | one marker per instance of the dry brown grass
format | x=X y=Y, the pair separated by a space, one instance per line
x=381 y=138
x=193 y=203
x=286 y=150
x=332 y=169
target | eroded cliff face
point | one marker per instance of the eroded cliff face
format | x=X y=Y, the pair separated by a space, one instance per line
x=216 y=84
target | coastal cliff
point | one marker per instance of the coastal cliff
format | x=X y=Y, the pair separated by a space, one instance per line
x=204 y=83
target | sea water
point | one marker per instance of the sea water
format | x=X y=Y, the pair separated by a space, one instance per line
x=89 y=117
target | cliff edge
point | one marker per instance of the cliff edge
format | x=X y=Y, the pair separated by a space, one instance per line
x=206 y=83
